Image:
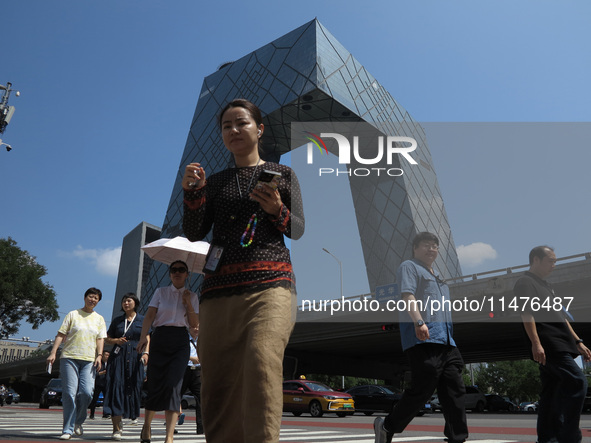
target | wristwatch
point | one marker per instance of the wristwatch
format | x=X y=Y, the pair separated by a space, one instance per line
x=579 y=341
x=420 y=323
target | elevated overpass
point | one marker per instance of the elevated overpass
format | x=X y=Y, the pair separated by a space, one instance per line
x=31 y=370
x=355 y=344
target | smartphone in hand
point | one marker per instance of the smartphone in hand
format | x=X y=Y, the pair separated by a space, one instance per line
x=269 y=178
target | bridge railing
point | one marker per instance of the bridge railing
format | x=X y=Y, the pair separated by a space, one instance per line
x=481 y=275
x=511 y=270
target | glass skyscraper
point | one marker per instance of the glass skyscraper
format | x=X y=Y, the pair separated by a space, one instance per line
x=308 y=76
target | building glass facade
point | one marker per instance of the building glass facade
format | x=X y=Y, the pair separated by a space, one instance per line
x=308 y=76
x=135 y=265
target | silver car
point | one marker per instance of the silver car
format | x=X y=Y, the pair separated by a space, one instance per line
x=188 y=401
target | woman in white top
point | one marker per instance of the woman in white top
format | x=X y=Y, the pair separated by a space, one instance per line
x=85 y=331
x=171 y=312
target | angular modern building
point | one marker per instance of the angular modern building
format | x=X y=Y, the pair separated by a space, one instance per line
x=134 y=264
x=308 y=76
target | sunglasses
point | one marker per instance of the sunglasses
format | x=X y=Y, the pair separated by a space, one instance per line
x=175 y=270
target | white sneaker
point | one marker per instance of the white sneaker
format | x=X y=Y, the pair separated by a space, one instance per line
x=78 y=430
x=117 y=436
x=65 y=437
x=133 y=422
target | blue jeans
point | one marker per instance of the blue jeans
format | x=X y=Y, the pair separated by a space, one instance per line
x=78 y=385
x=561 y=401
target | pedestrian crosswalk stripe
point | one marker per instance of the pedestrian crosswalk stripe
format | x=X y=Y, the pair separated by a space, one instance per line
x=51 y=426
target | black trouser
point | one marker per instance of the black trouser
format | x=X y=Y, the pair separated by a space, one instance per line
x=561 y=401
x=433 y=366
x=98 y=388
x=192 y=382
x=169 y=354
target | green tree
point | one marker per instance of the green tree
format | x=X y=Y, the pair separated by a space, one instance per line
x=40 y=352
x=517 y=379
x=23 y=295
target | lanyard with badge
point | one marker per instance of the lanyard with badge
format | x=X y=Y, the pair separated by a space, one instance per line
x=126 y=327
x=214 y=255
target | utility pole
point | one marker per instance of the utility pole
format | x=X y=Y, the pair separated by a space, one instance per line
x=6 y=111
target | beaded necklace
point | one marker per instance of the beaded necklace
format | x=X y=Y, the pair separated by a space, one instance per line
x=254 y=226
x=252 y=223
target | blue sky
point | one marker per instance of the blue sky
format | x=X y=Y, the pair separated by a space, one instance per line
x=108 y=90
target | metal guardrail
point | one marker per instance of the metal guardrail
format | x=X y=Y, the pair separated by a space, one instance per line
x=472 y=277
x=506 y=271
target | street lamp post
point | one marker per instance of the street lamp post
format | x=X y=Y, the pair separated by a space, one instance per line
x=340 y=268
x=341 y=274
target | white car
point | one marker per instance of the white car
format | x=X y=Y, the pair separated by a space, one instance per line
x=475 y=400
x=188 y=401
x=527 y=406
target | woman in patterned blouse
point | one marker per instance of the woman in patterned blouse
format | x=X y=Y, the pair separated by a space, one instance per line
x=248 y=302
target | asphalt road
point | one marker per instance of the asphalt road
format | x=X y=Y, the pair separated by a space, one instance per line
x=27 y=423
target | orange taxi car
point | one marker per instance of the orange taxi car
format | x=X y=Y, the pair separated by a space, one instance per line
x=301 y=396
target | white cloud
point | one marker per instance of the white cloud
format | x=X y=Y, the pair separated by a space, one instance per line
x=475 y=253
x=105 y=261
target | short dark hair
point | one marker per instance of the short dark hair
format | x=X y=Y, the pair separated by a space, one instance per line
x=423 y=236
x=133 y=297
x=252 y=109
x=540 y=252
x=94 y=291
x=178 y=261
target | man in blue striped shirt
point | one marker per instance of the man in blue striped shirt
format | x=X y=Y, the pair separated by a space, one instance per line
x=426 y=332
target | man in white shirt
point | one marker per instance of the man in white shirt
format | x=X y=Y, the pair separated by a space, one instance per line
x=192 y=380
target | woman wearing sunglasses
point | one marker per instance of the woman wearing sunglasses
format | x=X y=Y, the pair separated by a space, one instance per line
x=172 y=310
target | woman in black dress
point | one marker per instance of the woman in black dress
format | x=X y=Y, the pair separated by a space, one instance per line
x=125 y=368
